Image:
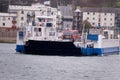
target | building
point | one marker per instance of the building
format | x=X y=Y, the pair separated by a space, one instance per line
x=117 y=18
x=8 y=20
x=18 y=15
x=67 y=16
x=37 y=9
x=99 y=17
x=63 y=2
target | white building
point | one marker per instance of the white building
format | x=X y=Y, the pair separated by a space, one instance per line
x=8 y=20
x=37 y=9
x=103 y=17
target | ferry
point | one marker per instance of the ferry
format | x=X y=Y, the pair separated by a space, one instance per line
x=100 y=41
x=43 y=38
x=47 y=39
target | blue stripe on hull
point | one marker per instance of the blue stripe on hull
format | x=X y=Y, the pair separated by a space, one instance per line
x=99 y=51
x=91 y=51
x=20 y=48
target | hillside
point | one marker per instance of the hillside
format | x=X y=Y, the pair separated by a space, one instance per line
x=82 y=3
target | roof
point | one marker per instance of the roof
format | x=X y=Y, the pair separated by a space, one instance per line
x=66 y=10
x=7 y=14
x=107 y=10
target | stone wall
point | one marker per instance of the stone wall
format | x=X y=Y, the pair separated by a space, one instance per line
x=8 y=35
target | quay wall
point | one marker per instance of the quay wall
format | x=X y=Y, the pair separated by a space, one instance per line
x=8 y=35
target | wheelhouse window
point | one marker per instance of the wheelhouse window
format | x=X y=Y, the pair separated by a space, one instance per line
x=22 y=12
x=51 y=33
x=49 y=24
x=14 y=18
x=37 y=31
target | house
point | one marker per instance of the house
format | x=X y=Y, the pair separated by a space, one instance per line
x=100 y=17
x=8 y=20
x=36 y=9
x=17 y=16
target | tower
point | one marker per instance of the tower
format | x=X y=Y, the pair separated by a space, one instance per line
x=77 y=22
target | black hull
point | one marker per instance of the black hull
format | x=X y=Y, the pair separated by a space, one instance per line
x=52 y=48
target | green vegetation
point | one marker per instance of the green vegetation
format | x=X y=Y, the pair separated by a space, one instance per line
x=81 y=3
x=118 y=3
x=86 y=25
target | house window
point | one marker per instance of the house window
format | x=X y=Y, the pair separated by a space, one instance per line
x=87 y=18
x=52 y=13
x=88 y=13
x=94 y=13
x=111 y=24
x=3 y=24
x=93 y=23
x=111 y=19
x=22 y=18
x=93 y=18
x=22 y=12
x=9 y=18
x=105 y=13
x=105 y=19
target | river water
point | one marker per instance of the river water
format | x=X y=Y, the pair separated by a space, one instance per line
x=14 y=66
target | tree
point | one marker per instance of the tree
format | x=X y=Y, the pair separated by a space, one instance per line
x=118 y=3
x=86 y=25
